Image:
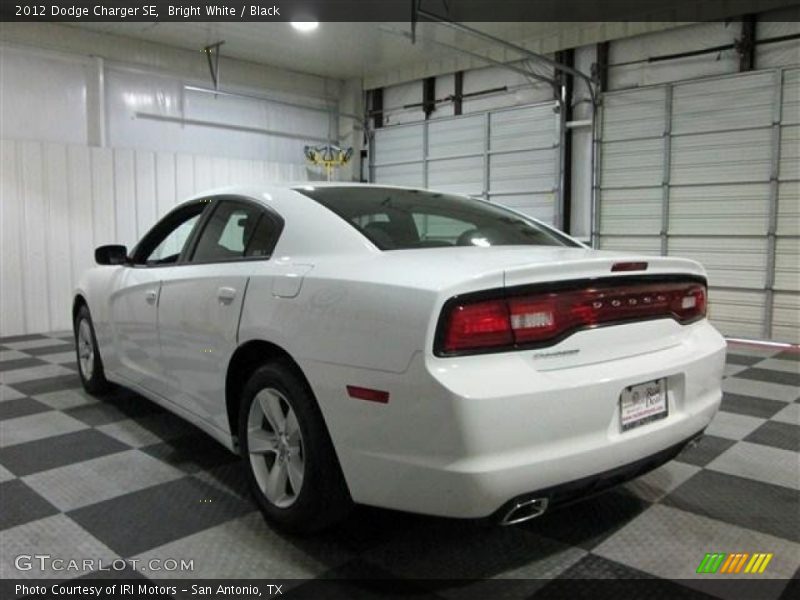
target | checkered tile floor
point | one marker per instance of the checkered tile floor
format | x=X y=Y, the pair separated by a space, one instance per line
x=123 y=478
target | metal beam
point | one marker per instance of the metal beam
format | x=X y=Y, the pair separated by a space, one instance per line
x=529 y=54
x=746 y=46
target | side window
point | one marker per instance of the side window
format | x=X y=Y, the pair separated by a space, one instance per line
x=171 y=246
x=164 y=243
x=235 y=230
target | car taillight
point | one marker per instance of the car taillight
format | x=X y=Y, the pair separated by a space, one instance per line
x=541 y=318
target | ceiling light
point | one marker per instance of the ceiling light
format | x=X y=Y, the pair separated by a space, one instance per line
x=305 y=26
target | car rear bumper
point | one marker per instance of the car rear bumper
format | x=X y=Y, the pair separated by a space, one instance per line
x=465 y=437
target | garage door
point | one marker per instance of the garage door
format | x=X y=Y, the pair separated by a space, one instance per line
x=708 y=169
x=509 y=156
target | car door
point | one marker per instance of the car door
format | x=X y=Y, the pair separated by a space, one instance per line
x=133 y=302
x=201 y=301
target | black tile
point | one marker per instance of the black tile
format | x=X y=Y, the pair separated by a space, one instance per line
x=157 y=515
x=594 y=577
x=57 y=451
x=777 y=435
x=705 y=450
x=113 y=408
x=751 y=406
x=788 y=356
x=191 y=453
x=743 y=359
x=54 y=349
x=112 y=573
x=21 y=504
x=770 y=376
x=48 y=384
x=743 y=502
x=232 y=477
x=360 y=580
x=22 y=338
x=21 y=407
x=587 y=523
x=20 y=363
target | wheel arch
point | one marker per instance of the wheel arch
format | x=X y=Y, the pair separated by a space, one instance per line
x=78 y=301
x=248 y=357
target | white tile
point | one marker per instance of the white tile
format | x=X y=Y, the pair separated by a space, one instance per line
x=57 y=536
x=759 y=462
x=778 y=364
x=657 y=484
x=131 y=433
x=760 y=389
x=64 y=399
x=733 y=426
x=12 y=355
x=790 y=414
x=36 y=427
x=7 y=393
x=5 y=474
x=59 y=358
x=31 y=344
x=260 y=553
x=91 y=481
x=33 y=373
x=731 y=369
x=681 y=539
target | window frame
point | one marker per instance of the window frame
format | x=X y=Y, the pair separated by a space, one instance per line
x=187 y=257
x=157 y=230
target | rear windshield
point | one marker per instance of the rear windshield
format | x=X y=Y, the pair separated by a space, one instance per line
x=396 y=219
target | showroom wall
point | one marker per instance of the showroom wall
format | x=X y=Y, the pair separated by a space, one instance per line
x=693 y=155
x=94 y=149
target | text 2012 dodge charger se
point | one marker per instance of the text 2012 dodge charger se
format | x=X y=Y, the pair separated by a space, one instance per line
x=403 y=348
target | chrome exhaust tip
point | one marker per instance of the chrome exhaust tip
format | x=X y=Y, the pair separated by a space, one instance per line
x=525 y=510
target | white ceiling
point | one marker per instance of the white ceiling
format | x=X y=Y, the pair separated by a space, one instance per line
x=345 y=50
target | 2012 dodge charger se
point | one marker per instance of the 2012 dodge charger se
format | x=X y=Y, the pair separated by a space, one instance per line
x=403 y=348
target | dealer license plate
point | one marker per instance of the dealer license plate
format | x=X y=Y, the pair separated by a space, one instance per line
x=643 y=403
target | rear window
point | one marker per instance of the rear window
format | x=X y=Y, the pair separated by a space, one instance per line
x=396 y=219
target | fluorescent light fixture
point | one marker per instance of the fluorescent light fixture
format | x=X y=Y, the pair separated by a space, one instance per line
x=305 y=26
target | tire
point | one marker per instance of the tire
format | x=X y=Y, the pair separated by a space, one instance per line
x=90 y=365
x=294 y=476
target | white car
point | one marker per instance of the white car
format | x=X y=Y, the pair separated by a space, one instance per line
x=404 y=349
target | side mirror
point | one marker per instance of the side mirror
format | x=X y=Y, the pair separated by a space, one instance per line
x=112 y=254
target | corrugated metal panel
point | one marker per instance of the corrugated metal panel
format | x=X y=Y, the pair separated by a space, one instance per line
x=789 y=208
x=637 y=245
x=457 y=175
x=786 y=318
x=737 y=313
x=638 y=163
x=456 y=137
x=635 y=114
x=631 y=211
x=730 y=262
x=790 y=153
x=531 y=127
x=705 y=106
x=397 y=144
x=522 y=171
x=539 y=206
x=737 y=156
x=731 y=209
x=408 y=174
x=791 y=97
x=68 y=199
x=787 y=264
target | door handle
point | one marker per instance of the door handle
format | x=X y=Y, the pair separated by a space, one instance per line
x=226 y=294
x=150 y=296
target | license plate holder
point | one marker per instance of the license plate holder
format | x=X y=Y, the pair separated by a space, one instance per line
x=643 y=403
